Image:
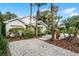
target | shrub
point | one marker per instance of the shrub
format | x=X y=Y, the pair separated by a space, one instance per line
x=48 y=31
x=3 y=46
x=3 y=29
x=28 y=34
x=72 y=30
x=41 y=34
x=15 y=31
x=62 y=29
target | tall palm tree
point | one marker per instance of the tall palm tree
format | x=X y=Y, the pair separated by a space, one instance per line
x=1 y=22
x=37 y=16
x=52 y=19
x=30 y=15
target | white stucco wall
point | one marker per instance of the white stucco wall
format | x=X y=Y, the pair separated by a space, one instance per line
x=9 y=25
x=25 y=20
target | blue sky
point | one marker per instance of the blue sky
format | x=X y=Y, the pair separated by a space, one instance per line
x=23 y=9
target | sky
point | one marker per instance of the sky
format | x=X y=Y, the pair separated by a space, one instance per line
x=23 y=9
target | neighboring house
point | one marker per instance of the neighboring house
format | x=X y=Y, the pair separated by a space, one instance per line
x=22 y=23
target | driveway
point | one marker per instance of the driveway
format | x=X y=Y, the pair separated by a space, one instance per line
x=36 y=47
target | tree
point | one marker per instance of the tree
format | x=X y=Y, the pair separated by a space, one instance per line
x=45 y=17
x=30 y=14
x=4 y=17
x=72 y=22
x=57 y=19
x=3 y=42
x=3 y=33
x=52 y=20
x=8 y=15
x=1 y=18
x=38 y=16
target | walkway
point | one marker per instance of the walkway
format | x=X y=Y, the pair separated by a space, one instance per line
x=35 y=47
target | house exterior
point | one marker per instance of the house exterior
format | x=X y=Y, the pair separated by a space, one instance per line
x=22 y=22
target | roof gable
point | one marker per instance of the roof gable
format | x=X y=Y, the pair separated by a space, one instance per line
x=19 y=19
x=25 y=20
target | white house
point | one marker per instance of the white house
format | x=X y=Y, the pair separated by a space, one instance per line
x=22 y=22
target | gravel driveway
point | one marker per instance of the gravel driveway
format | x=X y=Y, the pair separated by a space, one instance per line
x=35 y=47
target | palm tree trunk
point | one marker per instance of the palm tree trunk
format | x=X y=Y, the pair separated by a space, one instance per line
x=30 y=15
x=37 y=18
x=47 y=24
x=77 y=31
x=52 y=19
x=36 y=31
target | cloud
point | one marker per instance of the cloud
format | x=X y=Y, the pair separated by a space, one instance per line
x=69 y=10
x=73 y=14
x=45 y=9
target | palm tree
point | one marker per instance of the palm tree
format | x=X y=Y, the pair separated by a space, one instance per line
x=57 y=19
x=45 y=17
x=52 y=19
x=37 y=16
x=72 y=23
x=1 y=22
x=30 y=15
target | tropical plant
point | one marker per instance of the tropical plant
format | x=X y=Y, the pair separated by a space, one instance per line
x=30 y=15
x=45 y=17
x=38 y=15
x=52 y=21
x=3 y=42
x=16 y=31
x=8 y=15
x=72 y=23
x=3 y=46
x=27 y=34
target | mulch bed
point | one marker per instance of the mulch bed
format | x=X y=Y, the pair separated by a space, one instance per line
x=72 y=44
x=13 y=39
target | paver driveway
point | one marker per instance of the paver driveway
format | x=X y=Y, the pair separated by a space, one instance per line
x=35 y=47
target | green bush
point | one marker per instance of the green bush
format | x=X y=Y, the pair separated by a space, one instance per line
x=15 y=31
x=28 y=34
x=48 y=31
x=41 y=34
x=3 y=29
x=3 y=46
x=62 y=29
x=72 y=30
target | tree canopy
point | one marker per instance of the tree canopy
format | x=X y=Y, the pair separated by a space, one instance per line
x=8 y=15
